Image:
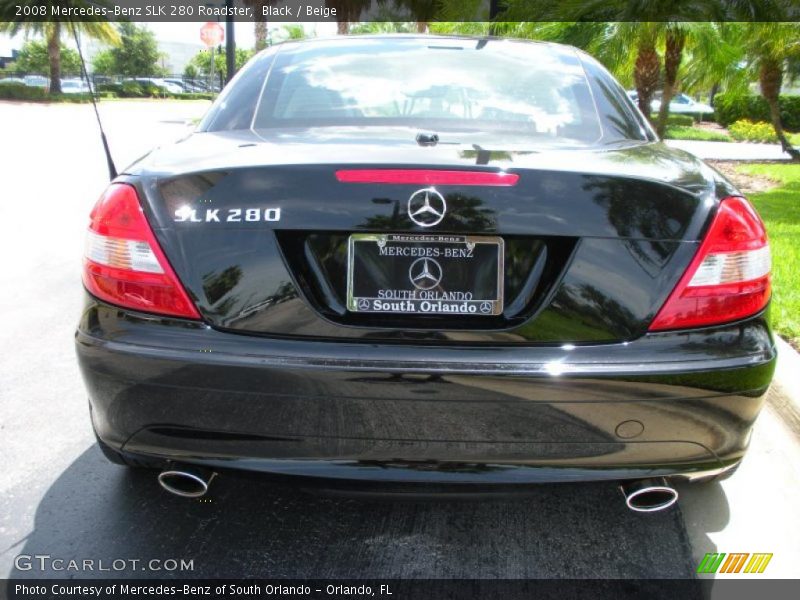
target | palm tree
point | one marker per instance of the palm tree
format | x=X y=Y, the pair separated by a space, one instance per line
x=715 y=60
x=421 y=11
x=698 y=40
x=347 y=11
x=51 y=30
x=293 y=31
x=627 y=48
x=647 y=68
x=673 y=55
x=626 y=36
x=259 y=21
x=378 y=27
x=769 y=47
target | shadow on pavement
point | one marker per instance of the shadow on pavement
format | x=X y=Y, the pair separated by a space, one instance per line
x=705 y=509
x=255 y=527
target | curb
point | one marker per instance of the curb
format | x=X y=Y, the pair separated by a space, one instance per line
x=784 y=394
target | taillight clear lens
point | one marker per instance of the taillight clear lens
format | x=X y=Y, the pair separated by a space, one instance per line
x=732 y=267
x=122 y=254
x=123 y=263
x=729 y=277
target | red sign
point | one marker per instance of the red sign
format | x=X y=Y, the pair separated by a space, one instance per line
x=212 y=34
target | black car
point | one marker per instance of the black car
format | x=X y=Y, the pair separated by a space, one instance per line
x=426 y=259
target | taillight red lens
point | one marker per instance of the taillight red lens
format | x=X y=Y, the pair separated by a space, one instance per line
x=123 y=263
x=729 y=277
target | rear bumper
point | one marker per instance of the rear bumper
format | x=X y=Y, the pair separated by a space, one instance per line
x=676 y=404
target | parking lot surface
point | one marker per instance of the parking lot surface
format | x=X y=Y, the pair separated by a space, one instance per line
x=59 y=496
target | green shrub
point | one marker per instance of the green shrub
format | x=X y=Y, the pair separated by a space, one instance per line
x=135 y=89
x=20 y=91
x=111 y=88
x=153 y=91
x=192 y=96
x=677 y=120
x=131 y=89
x=126 y=89
x=745 y=130
x=680 y=120
x=730 y=108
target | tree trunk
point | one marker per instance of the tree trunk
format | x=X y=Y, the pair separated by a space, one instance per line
x=343 y=27
x=770 y=78
x=673 y=54
x=54 y=55
x=260 y=25
x=261 y=35
x=645 y=75
x=422 y=26
x=713 y=93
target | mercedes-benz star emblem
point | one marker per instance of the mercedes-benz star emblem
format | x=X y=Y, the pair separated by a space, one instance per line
x=426 y=207
x=363 y=304
x=425 y=273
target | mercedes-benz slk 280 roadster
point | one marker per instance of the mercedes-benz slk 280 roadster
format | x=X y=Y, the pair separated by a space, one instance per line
x=426 y=259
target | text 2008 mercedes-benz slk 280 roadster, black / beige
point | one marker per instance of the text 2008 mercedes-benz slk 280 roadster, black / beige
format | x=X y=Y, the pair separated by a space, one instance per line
x=426 y=259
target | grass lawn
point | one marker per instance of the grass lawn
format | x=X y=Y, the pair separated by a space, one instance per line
x=685 y=132
x=682 y=132
x=780 y=209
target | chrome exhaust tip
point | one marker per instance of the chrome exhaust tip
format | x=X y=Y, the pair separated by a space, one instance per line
x=649 y=495
x=186 y=481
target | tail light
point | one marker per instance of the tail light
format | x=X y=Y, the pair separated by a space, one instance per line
x=123 y=263
x=427 y=177
x=729 y=277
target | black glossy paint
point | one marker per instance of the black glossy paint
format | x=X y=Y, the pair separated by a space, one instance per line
x=185 y=391
x=619 y=226
x=566 y=384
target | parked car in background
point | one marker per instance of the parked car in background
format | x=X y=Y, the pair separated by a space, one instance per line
x=681 y=104
x=36 y=81
x=168 y=87
x=188 y=86
x=184 y=87
x=74 y=86
x=10 y=80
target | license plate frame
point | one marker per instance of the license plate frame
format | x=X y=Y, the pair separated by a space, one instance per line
x=408 y=298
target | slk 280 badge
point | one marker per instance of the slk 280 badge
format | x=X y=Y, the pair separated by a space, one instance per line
x=227 y=215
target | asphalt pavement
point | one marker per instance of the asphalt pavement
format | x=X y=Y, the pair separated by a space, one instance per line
x=59 y=496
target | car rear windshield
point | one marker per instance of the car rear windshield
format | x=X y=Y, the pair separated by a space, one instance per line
x=439 y=84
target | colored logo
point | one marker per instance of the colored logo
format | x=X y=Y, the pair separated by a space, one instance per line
x=737 y=562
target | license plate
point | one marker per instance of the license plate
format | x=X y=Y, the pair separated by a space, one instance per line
x=425 y=274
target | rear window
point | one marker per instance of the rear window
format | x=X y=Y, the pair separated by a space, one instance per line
x=433 y=84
